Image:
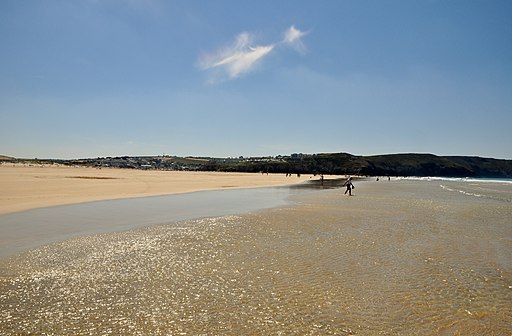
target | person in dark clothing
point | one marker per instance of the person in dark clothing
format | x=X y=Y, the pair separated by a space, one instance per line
x=349 y=185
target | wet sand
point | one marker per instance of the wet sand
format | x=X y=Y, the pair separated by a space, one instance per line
x=32 y=228
x=27 y=187
x=398 y=258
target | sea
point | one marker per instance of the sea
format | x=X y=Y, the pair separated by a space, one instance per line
x=470 y=186
x=460 y=179
x=408 y=256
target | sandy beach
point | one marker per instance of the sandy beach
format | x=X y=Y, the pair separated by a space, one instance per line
x=397 y=258
x=27 y=187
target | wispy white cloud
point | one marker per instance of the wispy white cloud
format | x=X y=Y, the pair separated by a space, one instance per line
x=292 y=37
x=243 y=56
x=237 y=59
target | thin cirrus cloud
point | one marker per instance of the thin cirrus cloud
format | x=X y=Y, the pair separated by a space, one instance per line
x=243 y=56
x=292 y=37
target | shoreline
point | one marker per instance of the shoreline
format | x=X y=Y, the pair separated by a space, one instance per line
x=34 y=228
x=33 y=187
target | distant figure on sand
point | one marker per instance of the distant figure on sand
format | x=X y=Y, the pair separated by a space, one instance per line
x=349 y=185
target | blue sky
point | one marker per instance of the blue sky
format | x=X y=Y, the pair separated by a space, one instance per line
x=89 y=78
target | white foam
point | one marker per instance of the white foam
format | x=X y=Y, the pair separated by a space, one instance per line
x=456 y=179
x=461 y=191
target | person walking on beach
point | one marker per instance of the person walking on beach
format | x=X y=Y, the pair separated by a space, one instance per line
x=349 y=185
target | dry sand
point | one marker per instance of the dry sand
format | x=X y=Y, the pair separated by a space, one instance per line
x=27 y=187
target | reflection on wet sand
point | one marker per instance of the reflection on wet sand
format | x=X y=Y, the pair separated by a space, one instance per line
x=407 y=258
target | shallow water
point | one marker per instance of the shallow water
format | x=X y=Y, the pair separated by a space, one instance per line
x=33 y=228
x=398 y=258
